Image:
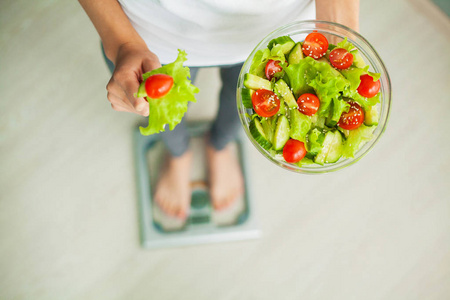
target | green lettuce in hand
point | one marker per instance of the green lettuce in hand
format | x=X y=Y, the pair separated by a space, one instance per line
x=171 y=108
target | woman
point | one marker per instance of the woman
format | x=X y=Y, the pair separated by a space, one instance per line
x=138 y=36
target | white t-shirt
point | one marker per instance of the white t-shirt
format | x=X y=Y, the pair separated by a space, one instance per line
x=212 y=32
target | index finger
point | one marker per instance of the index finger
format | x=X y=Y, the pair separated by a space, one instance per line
x=130 y=86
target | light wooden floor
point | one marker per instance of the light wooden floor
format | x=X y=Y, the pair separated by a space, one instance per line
x=68 y=214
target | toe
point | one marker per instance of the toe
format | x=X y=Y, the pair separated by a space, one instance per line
x=172 y=209
x=178 y=212
x=164 y=206
x=181 y=213
x=229 y=200
x=222 y=204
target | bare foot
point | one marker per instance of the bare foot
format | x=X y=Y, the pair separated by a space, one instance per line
x=173 y=192
x=225 y=177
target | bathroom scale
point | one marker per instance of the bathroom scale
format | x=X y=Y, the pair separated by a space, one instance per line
x=204 y=224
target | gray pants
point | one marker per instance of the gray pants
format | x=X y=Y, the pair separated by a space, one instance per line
x=226 y=125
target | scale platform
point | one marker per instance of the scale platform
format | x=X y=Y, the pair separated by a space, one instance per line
x=204 y=224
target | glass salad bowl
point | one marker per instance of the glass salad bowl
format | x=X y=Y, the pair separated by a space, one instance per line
x=335 y=33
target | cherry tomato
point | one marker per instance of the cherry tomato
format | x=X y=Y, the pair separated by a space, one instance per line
x=353 y=118
x=272 y=67
x=368 y=88
x=308 y=104
x=315 y=45
x=158 y=85
x=265 y=103
x=341 y=58
x=294 y=151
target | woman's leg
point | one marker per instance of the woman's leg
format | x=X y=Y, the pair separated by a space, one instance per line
x=227 y=123
x=173 y=191
x=225 y=176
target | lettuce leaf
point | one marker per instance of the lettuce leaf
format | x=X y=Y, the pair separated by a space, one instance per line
x=375 y=76
x=300 y=75
x=363 y=101
x=315 y=141
x=344 y=44
x=326 y=82
x=261 y=58
x=356 y=139
x=339 y=106
x=328 y=85
x=171 y=108
x=258 y=62
x=353 y=75
x=300 y=125
x=305 y=161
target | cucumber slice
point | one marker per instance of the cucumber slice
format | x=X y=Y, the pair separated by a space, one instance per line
x=322 y=155
x=345 y=132
x=283 y=90
x=268 y=125
x=358 y=61
x=336 y=148
x=254 y=82
x=246 y=95
x=281 y=133
x=282 y=110
x=284 y=42
x=258 y=134
x=332 y=148
x=300 y=125
x=296 y=54
x=372 y=116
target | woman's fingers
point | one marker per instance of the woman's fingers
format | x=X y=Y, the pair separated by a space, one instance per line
x=119 y=98
x=145 y=111
x=117 y=102
x=130 y=86
x=132 y=61
x=118 y=107
x=120 y=103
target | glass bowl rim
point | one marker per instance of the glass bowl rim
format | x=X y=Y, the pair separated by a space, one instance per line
x=373 y=58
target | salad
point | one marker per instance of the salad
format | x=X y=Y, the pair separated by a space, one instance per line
x=311 y=102
x=167 y=91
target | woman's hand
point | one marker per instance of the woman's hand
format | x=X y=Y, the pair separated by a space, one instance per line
x=126 y=49
x=345 y=12
x=132 y=60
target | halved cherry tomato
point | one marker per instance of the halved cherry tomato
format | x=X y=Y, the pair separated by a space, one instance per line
x=368 y=88
x=158 y=85
x=315 y=45
x=308 y=104
x=265 y=103
x=272 y=67
x=341 y=58
x=353 y=118
x=294 y=151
